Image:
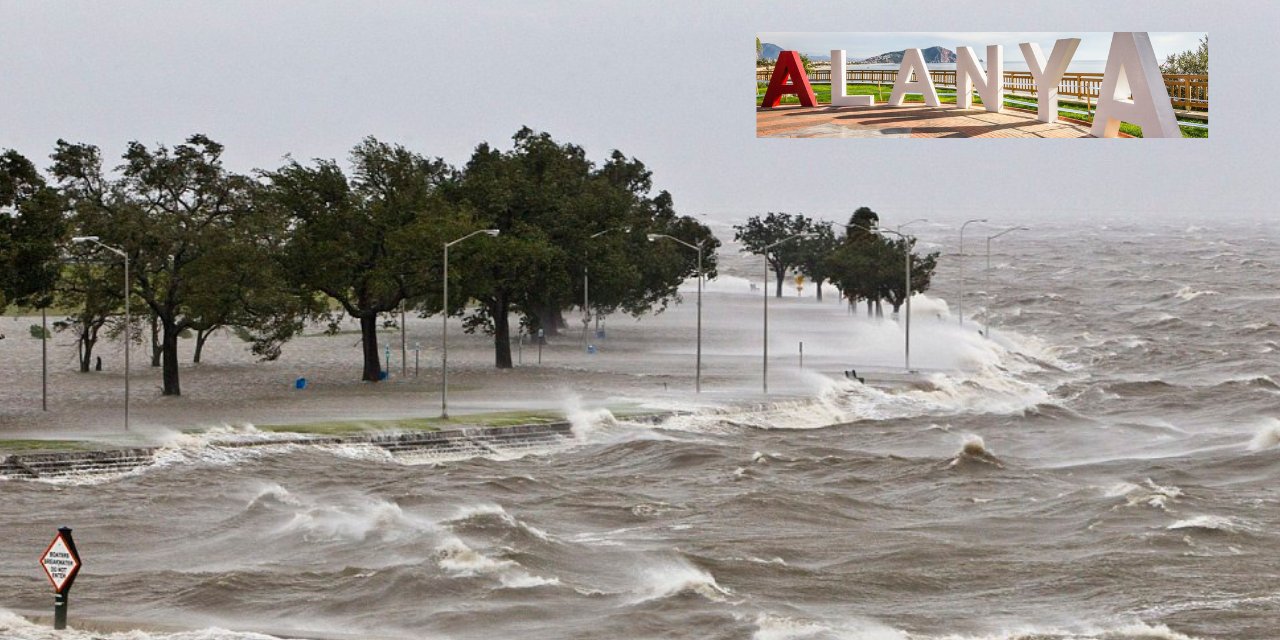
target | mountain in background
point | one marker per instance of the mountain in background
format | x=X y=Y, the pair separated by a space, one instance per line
x=932 y=54
x=770 y=51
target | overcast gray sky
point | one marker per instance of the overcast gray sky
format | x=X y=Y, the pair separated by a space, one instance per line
x=667 y=82
x=1093 y=46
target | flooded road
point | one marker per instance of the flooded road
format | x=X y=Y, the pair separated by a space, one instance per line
x=1103 y=467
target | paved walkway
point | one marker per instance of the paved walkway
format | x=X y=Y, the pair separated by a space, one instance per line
x=917 y=121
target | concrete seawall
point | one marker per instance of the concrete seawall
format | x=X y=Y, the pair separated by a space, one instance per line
x=463 y=441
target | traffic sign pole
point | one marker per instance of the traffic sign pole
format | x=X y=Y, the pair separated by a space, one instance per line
x=61 y=563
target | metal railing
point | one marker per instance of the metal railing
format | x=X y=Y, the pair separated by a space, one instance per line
x=1189 y=94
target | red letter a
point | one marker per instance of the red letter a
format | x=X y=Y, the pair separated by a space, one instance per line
x=789 y=67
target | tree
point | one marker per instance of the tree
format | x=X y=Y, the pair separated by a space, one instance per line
x=92 y=286
x=368 y=241
x=867 y=266
x=893 y=287
x=1192 y=61
x=559 y=214
x=774 y=228
x=32 y=228
x=189 y=227
x=815 y=253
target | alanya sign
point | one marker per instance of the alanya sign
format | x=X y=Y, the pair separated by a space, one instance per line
x=1132 y=87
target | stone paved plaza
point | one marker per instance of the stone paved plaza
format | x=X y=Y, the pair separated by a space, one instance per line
x=908 y=121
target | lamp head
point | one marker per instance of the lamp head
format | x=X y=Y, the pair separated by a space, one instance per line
x=84 y=239
x=652 y=236
x=492 y=233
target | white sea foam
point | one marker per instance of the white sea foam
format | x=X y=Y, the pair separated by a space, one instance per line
x=459 y=559
x=671 y=577
x=368 y=518
x=16 y=627
x=1210 y=523
x=770 y=626
x=838 y=401
x=1149 y=493
x=467 y=512
x=1187 y=293
x=1267 y=436
x=1133 y=630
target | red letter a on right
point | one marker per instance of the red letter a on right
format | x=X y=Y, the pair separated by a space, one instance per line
x=789 y=67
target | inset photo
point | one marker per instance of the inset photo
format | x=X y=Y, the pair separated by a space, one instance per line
x=982 y=85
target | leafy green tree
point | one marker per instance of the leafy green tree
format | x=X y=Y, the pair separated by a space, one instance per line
x=869 y=267
x=92 y=287
x=759 y=233
x=32 y=228
x=189 y=227
x=922 y=268
x=371 y=240
x=1193 y=61
x=815 y=253
x=559 y=216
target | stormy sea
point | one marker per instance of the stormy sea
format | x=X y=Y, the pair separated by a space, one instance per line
x=1101 y=465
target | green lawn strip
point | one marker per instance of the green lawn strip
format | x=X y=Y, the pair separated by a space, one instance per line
x=493 y=419
x=354 y=427
x=8 y=447
x=823 y=93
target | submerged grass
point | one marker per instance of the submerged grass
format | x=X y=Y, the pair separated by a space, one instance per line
x=352 y=427
x=38 y=446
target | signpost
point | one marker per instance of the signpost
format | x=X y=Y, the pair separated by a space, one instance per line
x=61 y=563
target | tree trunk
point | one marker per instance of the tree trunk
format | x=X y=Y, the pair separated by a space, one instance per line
x=550 y=320
x=819 y=285
x=869 y=308
x=369 y=340
x=87 y=342
x=201 y=336
x=155 y=341
x=501 y=332
x=779 y=275
x=169 y=347
x=879 y=310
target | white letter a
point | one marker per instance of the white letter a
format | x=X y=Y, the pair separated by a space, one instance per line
x=1132 y=70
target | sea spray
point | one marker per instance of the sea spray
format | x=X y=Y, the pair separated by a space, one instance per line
x=674 y=576
x=1267 y=435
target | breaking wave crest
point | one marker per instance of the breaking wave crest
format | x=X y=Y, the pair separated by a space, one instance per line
x=1267 y=436
x=16 y=627
x=676 y=577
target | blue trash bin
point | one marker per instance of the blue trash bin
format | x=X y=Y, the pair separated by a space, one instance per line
x=300 y=383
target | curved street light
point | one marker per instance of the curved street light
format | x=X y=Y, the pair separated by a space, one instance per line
x=906 y=249
x=899 y=227
x=961 y=263
x=128 y=320
x=765 y=251
x=697 y=378
x=444 y=322
x=986 y=320
x=586 y=284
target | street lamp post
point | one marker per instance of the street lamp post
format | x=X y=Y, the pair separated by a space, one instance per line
x=986 y=320
x=906 y=250
x=586 y=287
x=697 y=378
x=444 y=318
x=961 y=263
x=128 y=320
x=764 y=377
x=911 y=222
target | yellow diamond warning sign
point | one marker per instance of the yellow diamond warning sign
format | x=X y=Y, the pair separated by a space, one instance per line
x=60 y=563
